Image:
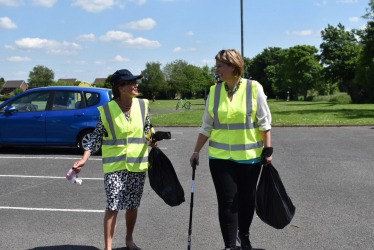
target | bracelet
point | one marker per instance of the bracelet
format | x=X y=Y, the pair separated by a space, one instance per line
x=196 y=152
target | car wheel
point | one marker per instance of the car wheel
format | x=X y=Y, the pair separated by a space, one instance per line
x=83 y=141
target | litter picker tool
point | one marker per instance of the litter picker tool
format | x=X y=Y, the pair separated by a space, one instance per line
x=191 y=204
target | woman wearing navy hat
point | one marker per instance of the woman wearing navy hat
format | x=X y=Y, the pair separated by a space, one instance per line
x=123 y=125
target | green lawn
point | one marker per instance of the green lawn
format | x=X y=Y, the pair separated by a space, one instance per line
x=171 y=104
x=283 y=113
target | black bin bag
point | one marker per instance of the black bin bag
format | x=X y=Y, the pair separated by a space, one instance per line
x=163 y=179
x=273 y=205
x=161 y=135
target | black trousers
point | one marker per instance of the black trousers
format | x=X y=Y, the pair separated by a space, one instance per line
x=235 y=185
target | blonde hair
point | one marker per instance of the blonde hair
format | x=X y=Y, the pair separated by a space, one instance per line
x=232 y=57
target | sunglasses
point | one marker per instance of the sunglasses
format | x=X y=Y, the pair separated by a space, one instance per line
x=133 y=83
x=222 y=52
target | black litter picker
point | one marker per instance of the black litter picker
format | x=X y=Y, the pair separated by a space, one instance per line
x=191 y=204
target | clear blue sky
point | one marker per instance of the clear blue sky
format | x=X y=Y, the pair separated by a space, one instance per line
x=88 y=39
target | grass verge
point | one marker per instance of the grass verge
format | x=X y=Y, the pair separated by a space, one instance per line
x=283 y=113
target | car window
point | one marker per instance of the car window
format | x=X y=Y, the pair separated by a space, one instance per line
x=64 y=100
x=32 y=102
x=92 y=98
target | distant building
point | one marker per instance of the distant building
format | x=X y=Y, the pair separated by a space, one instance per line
x=67 y=80
x=10 y=86
x=99 y=80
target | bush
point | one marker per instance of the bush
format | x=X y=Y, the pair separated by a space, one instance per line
x=340 y=98
x=18 y=91
x=61 y=83
x=103 y=85
x=4 y=98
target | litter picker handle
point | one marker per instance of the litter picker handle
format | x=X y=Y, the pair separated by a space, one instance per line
x=193 y=169
x=191 y=204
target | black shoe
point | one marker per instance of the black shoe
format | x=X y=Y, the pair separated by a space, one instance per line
x=245 y=243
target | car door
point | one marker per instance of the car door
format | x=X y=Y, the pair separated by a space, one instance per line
x=66 y=118
x=27 y=124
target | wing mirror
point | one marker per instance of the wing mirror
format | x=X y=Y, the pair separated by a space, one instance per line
x=10 y=109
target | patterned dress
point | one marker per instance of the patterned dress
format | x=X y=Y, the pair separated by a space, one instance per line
x=124 y=189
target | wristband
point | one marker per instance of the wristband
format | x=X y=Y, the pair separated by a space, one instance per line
x=196 y=152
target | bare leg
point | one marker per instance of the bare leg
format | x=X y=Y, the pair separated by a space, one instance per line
x=110 y=224
x=131 y=215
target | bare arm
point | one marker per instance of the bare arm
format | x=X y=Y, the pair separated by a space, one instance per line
x=79 y=164
x=201 y=140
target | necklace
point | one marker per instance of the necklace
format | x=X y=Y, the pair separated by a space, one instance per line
x=124 y=105
x=229 y=91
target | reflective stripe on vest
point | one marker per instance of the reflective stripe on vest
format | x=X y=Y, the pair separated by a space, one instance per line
x=116 y=150
x=226 y=137
x=111 y=125
x=235 y=126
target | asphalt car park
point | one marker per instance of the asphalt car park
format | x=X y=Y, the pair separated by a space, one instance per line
x=328 y=173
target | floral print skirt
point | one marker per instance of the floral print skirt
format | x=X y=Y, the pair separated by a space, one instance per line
x=124 y=189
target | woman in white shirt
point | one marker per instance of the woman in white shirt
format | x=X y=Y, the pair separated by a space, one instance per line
x=237 y=120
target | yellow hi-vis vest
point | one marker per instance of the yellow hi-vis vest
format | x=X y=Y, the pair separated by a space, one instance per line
x=125 y=146
x=235 y=133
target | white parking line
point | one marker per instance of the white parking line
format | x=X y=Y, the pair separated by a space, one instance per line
x=47 y=177
x=42 y=157
x=53 y=209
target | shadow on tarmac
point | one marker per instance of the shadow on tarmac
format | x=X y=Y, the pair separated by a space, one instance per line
x=65 y=247
x=71 y=247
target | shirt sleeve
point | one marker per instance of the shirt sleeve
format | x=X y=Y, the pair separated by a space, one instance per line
x=207 y=126
x=96 y=136
x=263 y=112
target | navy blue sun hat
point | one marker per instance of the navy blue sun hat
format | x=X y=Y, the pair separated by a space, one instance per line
x=123 y=75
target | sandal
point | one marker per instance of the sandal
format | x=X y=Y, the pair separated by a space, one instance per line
x=134 y=247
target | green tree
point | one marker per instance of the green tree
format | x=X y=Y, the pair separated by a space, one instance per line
x=40 y=76
x=2 y=81
x=247 y=65
x=107 y=80
x=196 y=80
x=302 y=68
x=175 y=77
x=255 y=68
x=363 y=88
x=17 y=91
x=153 y=81
x=214 y=74
x=339 y=55
x=61 y=83
x=277 y=76
x=369 y=11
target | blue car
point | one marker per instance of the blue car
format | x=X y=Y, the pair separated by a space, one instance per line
x=54 y=116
